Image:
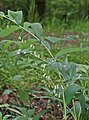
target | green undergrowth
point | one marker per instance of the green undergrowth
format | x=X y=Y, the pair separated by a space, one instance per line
x=42 y=68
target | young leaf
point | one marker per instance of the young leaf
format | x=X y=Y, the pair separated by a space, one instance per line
x=70 y=50
x=16 y=17
x=5 y=32
x=70 y=92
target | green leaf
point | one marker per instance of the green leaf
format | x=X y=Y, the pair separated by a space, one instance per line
x=68 y=71
x=6 y=117
x=27 y=26
x=53 y=39
x=22 y=110
x=16 y=17
x=21 y=118
x=70 y=50
x=17 y=77
x=4 y=105
x=70 y=92
x=69 y=38
x=23 y=96
x=31 y=112
x=77 y=109
x=15 y=111
x=7 y=44
x=0 y=116
x=36 y=29
x=5 y=32
x=36 y=117
x=47 y=44
x=82 y=103
x=7 y=92
x=2 y=14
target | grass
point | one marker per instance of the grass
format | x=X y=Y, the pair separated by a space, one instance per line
x=55 y=25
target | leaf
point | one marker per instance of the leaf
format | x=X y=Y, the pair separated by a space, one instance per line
x=7 y=92
x=0 y=116
x=23 y=110
x=4 y=105
x=6 y=117
x=23 y=96
x=15 y=111
x=88 y=85
x=16 y=17
x=68 y=71
x=77 y=109
x=2 y=14
x=35 y=28
x=17 y=77
x=36 y=117
x=69 y=38
x=47 y=44
x=53 y=39
x=70 y=92
x=5 y=32
x=70 y=50
x=31 y=112
x=82 y=103
x=27 y=26
x=9 y=42
x=21 y=118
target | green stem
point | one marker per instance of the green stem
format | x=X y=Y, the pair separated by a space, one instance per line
x=75 y=117
x=39 y=58
x=64 y=103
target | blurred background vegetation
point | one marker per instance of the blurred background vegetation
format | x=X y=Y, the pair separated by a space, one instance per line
x=52 y=13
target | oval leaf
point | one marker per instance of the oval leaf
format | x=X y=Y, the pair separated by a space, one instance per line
x=70 y=92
